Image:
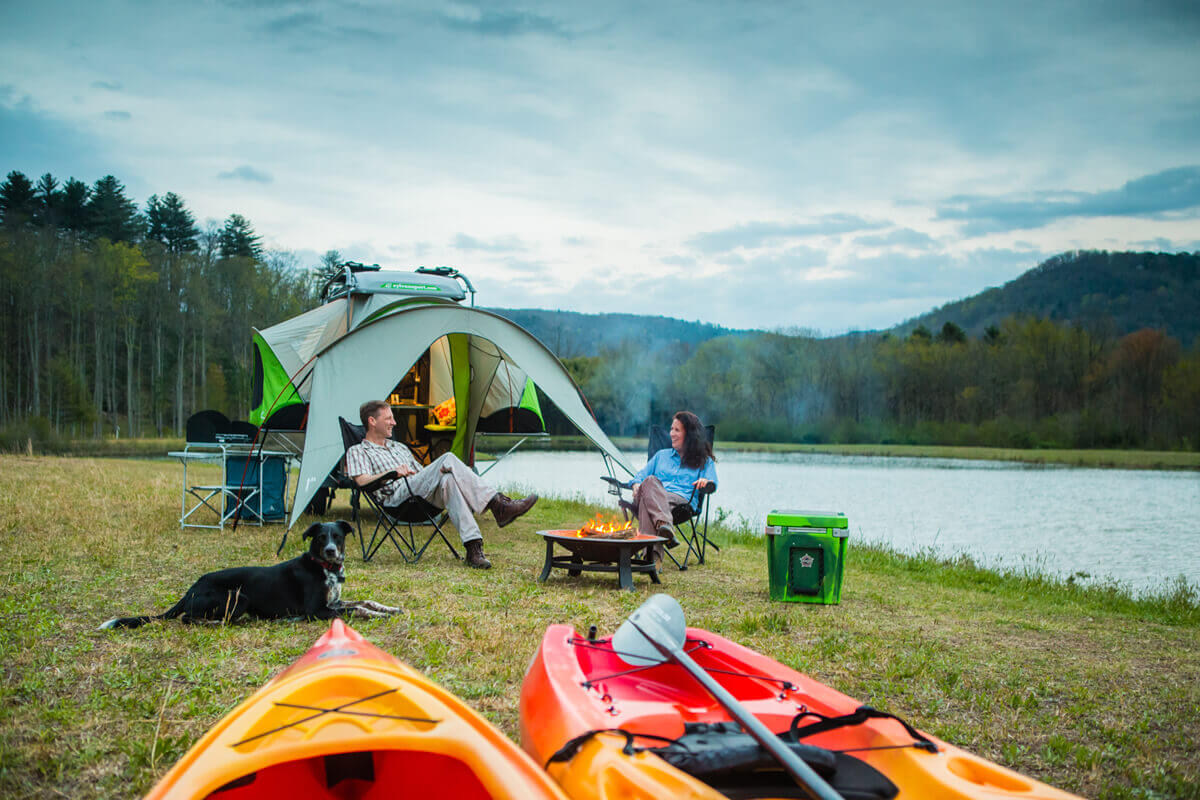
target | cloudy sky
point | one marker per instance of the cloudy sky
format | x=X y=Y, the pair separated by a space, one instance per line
x=822 y=165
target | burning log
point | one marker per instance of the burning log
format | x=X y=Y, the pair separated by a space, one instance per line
x=614 y=528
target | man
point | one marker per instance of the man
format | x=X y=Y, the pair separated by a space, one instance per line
x=447 y=483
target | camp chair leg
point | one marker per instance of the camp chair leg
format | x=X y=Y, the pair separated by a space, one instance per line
x=681 y=564
x=375 y=545
x=437 y=531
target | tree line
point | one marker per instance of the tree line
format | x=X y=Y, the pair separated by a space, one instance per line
x=120 y=319
x=1027 y=382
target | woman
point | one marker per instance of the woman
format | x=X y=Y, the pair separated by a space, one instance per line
x=672 y=476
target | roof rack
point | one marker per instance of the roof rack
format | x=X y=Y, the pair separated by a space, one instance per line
x=355 y=278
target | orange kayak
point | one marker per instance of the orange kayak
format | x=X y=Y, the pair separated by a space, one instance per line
x=676 y=741
x=349 y=721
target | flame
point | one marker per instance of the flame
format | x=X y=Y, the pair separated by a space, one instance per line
x=613 y=524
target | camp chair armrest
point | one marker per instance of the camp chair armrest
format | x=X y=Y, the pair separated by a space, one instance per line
x=613 y=481
x=379 y=482
x=700 y=492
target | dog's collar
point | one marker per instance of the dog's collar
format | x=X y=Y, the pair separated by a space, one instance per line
x=337 y=569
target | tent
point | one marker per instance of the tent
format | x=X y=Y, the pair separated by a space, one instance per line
x=284 y=353
x=393 y=332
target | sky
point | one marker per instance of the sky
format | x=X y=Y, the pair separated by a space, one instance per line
x=824 y=166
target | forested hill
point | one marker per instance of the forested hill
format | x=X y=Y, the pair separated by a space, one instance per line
x=571 y=333
x=1133 y=290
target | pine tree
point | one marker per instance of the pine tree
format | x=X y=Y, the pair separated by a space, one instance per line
x=113 y=216
x=73 y=205
x=238 y=239
x=49 y=200
x=171 y=223
x=18 y=204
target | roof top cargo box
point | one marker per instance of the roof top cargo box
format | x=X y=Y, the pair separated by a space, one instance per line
x=362 y=279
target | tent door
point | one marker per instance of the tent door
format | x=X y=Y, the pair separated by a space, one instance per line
x=410 y=405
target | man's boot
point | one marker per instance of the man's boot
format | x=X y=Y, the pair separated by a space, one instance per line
x=505 y=509
x=475 y=557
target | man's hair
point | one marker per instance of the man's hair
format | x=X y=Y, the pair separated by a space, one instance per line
x=370 y=409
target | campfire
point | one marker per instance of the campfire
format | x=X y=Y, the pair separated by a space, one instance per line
x=613 y=528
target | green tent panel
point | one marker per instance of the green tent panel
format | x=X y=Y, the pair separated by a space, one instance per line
x=460 y=369
x=273 y=388
x=529 y=401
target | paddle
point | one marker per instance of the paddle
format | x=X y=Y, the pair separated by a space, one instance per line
x=655 y=632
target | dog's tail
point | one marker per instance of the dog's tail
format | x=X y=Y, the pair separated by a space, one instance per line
x=137 y=622
x=127 y=622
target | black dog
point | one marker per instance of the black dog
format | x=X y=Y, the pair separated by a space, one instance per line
x=309 y=586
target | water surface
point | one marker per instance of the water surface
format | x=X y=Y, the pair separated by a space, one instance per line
x=1139 y=527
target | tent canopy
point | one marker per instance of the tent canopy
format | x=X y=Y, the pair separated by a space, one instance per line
x=369 y=361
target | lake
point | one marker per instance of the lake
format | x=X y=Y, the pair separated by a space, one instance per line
x=1138 y=527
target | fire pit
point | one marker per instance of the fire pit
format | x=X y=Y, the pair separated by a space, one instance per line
x=599 y=552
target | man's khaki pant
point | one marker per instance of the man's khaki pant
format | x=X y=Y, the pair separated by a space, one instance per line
x=450 y=484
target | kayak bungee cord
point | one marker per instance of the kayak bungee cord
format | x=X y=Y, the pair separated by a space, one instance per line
x=591 y=646
x=857 y=717
x=786 y=685
x=572 y=746
x=335 y=710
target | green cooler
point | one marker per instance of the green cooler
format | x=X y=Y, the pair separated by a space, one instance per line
x=806 y=553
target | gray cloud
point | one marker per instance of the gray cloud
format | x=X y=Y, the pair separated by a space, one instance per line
x=678 y=261
x=901 y=237
x=1172 y=190
x=501 y=244
x=112 y=86
x=780 y=290
x=119 y=116
x=487 y=22
x=246 y=173
x=538 y=270
x=756 y=234
x=290 y=23
x=1161 y=244
x=35 y=142
x=311 y=26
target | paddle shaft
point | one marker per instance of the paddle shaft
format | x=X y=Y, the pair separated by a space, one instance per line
x=803 y=774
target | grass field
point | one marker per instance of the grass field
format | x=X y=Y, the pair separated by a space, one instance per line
x=1088 y=689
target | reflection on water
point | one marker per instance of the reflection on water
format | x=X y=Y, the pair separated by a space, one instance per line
x=1137 y=527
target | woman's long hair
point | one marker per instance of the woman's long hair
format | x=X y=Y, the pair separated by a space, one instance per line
x=696 y=447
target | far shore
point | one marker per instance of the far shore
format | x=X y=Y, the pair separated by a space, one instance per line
x=1100 y=459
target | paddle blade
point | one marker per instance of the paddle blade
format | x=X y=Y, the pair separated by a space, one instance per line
x=656 y=625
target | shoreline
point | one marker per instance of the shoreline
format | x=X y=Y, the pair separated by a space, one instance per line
x=1093 y=459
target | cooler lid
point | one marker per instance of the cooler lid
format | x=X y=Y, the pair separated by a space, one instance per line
x=792 y=518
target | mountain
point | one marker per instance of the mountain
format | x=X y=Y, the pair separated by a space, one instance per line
x=1086 y=287
x=1122 y=291
x=571 y=333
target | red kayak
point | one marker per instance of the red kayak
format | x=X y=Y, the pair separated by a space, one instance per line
x=605 y=729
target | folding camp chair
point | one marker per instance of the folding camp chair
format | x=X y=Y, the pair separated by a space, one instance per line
x=393 y=523
x=684 y=517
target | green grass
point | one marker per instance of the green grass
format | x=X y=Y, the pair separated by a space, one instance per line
x=1085 y=687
